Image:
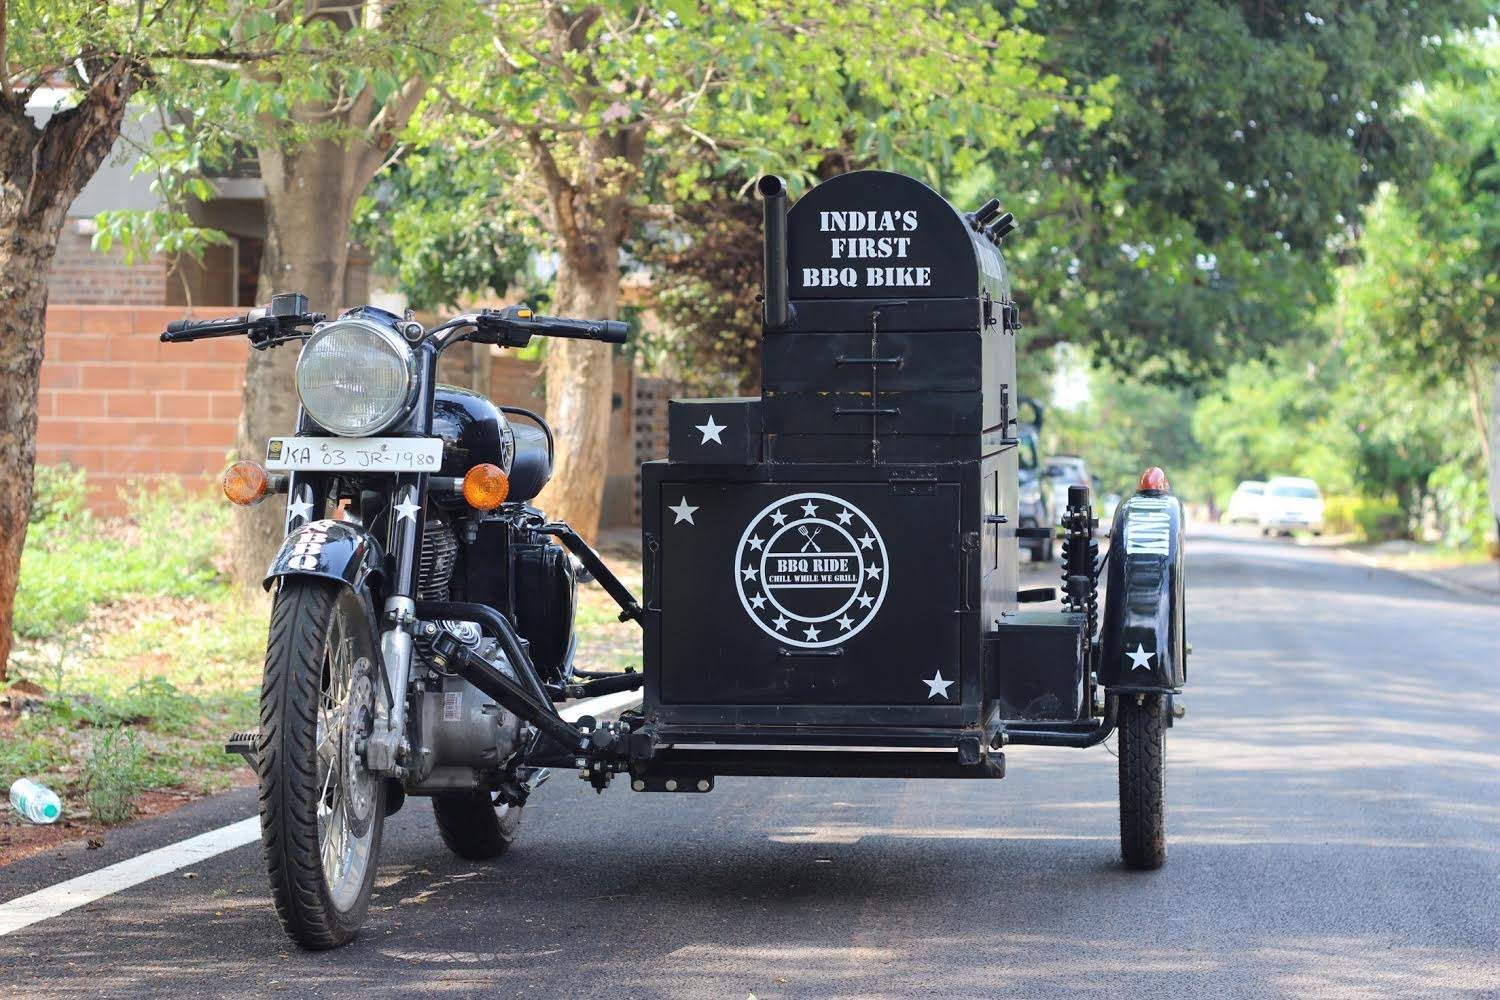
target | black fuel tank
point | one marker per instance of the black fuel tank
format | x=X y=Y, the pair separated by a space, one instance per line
x=473 y=431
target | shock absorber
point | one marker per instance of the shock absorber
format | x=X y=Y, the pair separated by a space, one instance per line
x=1080 y=558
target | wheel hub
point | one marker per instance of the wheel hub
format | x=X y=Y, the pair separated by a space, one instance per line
x=356 y=782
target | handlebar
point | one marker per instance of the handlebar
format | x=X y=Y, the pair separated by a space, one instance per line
x=514 y=326
x=606 y=331
x=183 y=330
x=520 y=320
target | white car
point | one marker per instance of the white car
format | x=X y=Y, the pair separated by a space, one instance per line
x=1291 y=504
x=1245 y=504
x=1064 y=471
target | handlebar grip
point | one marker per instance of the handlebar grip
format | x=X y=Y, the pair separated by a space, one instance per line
x=612 y=331
x=183 y=330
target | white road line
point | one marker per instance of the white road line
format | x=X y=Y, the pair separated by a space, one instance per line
x=56 y=900
x=80 y=891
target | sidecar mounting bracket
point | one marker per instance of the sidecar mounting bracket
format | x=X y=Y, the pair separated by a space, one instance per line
x=630 y=608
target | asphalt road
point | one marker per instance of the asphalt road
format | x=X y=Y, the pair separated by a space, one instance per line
x=1333 y=810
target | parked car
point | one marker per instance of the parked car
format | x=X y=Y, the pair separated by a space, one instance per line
x=1291 y=504
x=1036 y=500
x=1064 y=471
x=1245 y=504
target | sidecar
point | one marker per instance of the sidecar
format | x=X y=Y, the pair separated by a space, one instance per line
x=831 y=568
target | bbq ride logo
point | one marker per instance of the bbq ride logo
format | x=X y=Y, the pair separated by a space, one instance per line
x=811 y=570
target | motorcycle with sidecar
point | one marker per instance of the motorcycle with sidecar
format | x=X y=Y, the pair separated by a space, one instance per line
x=830 y=582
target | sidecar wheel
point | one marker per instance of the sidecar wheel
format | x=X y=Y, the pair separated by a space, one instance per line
x=321 y=813
x=1143 y=766
x=473 y=826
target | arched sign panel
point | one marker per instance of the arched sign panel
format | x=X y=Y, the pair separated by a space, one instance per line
x=873 y=234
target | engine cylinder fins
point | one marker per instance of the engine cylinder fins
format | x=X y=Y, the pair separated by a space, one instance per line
x=439 y=557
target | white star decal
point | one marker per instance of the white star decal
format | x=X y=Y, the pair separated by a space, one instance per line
x=407 y=511
x=845 y=517
x=756 y=543
x=781 y=623
x=866 y=541
x=937 y=686
x=873 y=572
x=779 y=518
x=758 y=601
x=749 y=572
x=845 y=623
x=811 y=633
x=865 y=602
x=300 y=508
x=711 y=431
x=1140 y=659
x=810 y=509
x=684 y=512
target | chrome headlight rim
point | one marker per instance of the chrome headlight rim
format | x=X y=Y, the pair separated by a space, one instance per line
x=397 y=345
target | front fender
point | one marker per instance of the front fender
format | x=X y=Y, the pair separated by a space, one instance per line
x=334 y=550
x=1142 y=646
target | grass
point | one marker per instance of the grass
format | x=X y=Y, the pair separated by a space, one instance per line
x=141 y=654
x=146 y=657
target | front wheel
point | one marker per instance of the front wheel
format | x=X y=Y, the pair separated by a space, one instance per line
x=1143 y=769
x=321 y=812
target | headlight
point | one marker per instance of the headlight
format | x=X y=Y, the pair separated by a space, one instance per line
x=355 y=377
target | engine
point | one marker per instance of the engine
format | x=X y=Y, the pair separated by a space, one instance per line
x=461 y=739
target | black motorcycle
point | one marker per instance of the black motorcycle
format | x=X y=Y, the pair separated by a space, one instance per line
x=422 y=628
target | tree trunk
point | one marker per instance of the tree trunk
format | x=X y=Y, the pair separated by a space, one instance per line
x=310 y=195
x=25 y=254
x=580 y=390
x=42 y=169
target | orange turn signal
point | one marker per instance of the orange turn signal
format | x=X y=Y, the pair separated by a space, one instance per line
x=486 y=486
x=1154 y=480
x=246 y=483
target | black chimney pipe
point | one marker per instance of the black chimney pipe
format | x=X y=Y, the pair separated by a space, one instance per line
x=777 y=308
x=984 y=213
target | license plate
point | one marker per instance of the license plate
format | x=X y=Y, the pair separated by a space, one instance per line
x=299 y=454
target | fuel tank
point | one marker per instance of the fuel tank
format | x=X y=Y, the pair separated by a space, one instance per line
x=473 y=431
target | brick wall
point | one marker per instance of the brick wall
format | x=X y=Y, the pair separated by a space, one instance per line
x=121 y=405
x=81 y=274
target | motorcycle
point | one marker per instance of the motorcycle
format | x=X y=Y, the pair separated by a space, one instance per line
x=421 y=634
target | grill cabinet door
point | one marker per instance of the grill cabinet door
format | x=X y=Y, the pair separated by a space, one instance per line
x=810 y=594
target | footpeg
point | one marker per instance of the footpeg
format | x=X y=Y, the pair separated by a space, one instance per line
x=243 y=743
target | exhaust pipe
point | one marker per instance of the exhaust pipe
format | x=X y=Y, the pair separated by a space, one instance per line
x=777 y=307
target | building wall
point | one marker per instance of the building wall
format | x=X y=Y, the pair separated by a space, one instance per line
x=83 y=275
x=121 y=405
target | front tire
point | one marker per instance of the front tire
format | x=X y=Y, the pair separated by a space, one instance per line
x=321 y=813
x=1143 y=768
x=474 y=827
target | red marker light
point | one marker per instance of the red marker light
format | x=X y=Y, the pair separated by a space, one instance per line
x=1154 y=480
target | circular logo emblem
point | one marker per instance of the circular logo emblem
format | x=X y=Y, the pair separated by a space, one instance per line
x=811 y=570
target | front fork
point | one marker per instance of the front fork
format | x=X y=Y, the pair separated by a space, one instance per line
x=387 y=747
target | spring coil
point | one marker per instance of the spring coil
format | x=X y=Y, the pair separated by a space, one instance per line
x=1080 y=565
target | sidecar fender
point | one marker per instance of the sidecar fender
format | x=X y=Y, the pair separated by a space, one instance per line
x=333 y=550
x=1142 y=646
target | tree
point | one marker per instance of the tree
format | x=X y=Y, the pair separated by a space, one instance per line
x=431 y=225
x=598 y=105
x=328 y=84
x=1194 y=227
x=320 y=90
x=1424 y=301
x=102 y=52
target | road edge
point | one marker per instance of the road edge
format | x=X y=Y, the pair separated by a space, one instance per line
x=1451 y=586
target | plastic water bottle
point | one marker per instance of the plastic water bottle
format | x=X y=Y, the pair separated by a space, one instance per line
x=36 y=802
